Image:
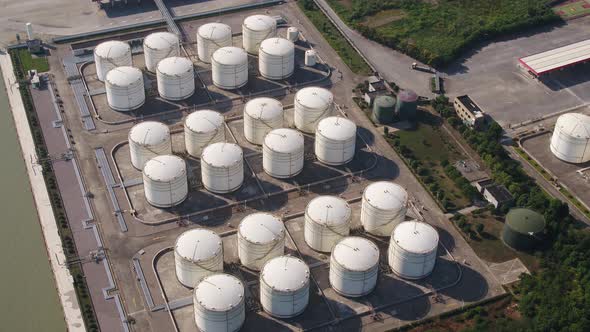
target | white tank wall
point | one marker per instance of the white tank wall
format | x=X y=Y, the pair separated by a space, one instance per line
x=148 y=139
x=310 y=58
x=165 y=181
x=262 y=115
x=311 y=105
x=159 y=46
x=210 y=38
x=229 y=68
x=109 y=55
x=176 y=78
x=292 y=34
x=384 y=205
x=191 y=264
x=571 y=138
x=222 y=167
x=276 y=58
x=124 y=89
x=412 y=249
x=327 y=221
x=202 y=128
x=335 y=140
x=283 y=153
x=261 y=237
x=284 y=287
x=255 y=29
x=354 y=266
x=219 y=303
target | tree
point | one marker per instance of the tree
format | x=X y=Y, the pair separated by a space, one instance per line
x=479 y=229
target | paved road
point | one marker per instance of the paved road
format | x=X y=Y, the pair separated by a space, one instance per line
x=392 y=65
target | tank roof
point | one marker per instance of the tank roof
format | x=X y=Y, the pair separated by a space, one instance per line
x=336 y=128
x=386 y=195
x=285 y=273
x=314 y=97
x=416 y=237
x=149 y=133
x=356 y=253
x=214 y=31
x=328 y=210
x=204 y=121
x=284 y=140
x=259 y=22
x=124 y=76
x=384 y=101
x=277 y=46
x=198 y=244
x=164 y=168
x=574 y=124
x=525 y=221
x=161 y=40
x=219 y=292
x=112 y=49
x=175 y=66
x=261 y=228
x=407 y=96
x=264 y=108
x=230 y=55
x=222 y=154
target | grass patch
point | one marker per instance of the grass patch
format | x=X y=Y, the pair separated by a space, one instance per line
x=572 y=9
x=29 y=61
x=346 y=52
x=383 y=17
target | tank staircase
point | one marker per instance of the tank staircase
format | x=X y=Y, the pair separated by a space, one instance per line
x=172 y=27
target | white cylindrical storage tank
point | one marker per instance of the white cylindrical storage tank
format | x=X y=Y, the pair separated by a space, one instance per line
x=222 y=167
x=311 y=105
x=327 y=221
x=210 y=38
x=148 y=139
x=255 y=29
x=335 y=140
x=571 y=138
x=165 y=181
x=283 y=153
x=176 y=78
x=354 y=266
x=159 y=46
x=219 y=303
x=384 y=205
x=29 y=29
x=276 y=58
x=284 y=286
x=229 y=68
x=261 y=115
x=292 y=34
x=124 y=88
x=202 y=128
x=412 y=249
x=310 y=58
x=109 y=55
x=261 y=236
x=197 y=253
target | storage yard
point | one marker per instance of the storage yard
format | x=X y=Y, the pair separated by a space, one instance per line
x=196 y=138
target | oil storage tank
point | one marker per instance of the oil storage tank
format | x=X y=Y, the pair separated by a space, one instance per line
x=148 y=139
x=165 y=181
x=292 y=34
x=354 y=266
x=219 y=303
x=109 y=55
x=222 y=167
x=384 y=205
x=176 y=78
x=283 y=153
x=211 y=37
x=261 y=237
x=262 y=115
x=255 y=29
x=197 y=253
x=571 y=138
x=202 y=128
x=523 y=229
x=412 y=249
x=310 y=58
x=276 y=58
x=406 y=107
x=327 y=221
x=383 y=109
x=311 y=105
x=335 y=140
x=159 y=46
x=229 y=68
x=124 y=89
x=284 y=287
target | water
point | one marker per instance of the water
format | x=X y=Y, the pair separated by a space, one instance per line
x=29 y=298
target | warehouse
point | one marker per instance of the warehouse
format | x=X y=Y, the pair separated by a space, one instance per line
x=556 y=59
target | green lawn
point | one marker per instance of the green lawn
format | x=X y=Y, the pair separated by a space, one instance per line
x=574 y=9
x=33 y=62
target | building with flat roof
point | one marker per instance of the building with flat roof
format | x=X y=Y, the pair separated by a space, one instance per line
x=468 y=111
x=495 y=194
x=557 y=58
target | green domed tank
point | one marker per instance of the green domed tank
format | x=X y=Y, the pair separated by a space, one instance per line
x=407 y=105
x=523 y=229
x=383 y=109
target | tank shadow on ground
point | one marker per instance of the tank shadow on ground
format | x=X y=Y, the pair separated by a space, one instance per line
x=471 y=288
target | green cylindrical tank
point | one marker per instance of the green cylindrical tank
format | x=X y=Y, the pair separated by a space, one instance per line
x=407 y=105
x=383 y=109
x=523 y=229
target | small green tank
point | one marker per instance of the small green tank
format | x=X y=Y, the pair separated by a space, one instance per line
x=523 y=229
x=383 y=109
x=407 y=105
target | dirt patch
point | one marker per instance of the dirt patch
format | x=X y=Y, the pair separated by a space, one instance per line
x=383 y=18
